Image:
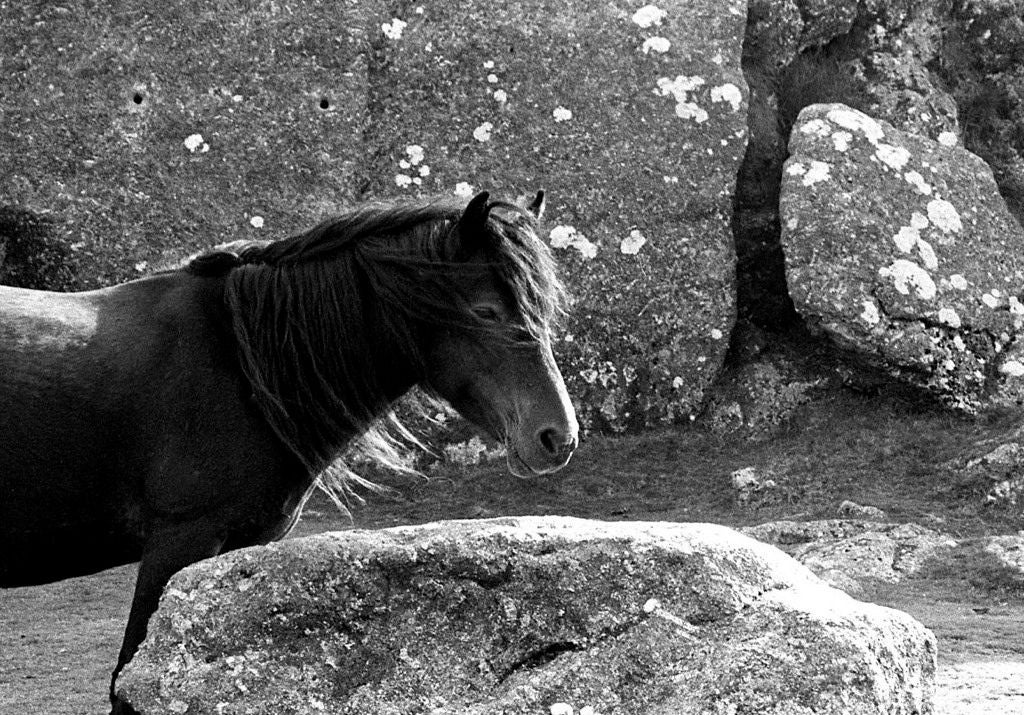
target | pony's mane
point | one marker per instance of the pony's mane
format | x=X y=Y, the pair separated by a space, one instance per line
x=320 y=316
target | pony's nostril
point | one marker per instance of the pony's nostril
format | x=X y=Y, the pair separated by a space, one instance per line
x=555 y=442
x=548 y=440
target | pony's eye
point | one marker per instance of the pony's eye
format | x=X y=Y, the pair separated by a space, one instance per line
x=488 y=313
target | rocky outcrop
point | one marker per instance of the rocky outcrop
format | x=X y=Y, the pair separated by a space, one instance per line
x=901 y=250
x=523 y=616
x=854 y=555
x=154 y=133
x=636 y=125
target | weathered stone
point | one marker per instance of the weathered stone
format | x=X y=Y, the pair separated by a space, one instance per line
x=900 y=249
x=1008 y=551
x=853 y=510
x=854 y=555
x=519 y=616
x=635 y=124
x=153 y=132
x=997 y=470
x=874 y=55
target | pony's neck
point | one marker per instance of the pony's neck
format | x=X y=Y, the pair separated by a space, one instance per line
x=325 y=358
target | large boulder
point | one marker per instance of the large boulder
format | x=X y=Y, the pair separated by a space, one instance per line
x=901 y=250
x=875 y=55
x=523 y=615
x=152 y=132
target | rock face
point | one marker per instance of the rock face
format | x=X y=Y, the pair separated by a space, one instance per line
x=153 y=132
x=523 y=615
x=855 y=555
x=872 y=55
x=636 y=125
x=902 y=251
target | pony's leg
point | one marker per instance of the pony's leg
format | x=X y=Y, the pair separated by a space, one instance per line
x=168 y=550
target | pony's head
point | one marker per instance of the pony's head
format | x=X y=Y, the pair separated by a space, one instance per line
x=496 y=366
x=335 y=324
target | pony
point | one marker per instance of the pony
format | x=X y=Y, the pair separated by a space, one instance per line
x=173 y=418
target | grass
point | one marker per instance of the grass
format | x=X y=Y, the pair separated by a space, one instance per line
x=60 y=640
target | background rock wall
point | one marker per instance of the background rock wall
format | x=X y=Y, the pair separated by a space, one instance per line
x=147 y=131
x=137 y=133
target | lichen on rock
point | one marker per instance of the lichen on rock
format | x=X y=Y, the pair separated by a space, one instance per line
x=920 y=283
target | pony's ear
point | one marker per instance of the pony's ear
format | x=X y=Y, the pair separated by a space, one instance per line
x=475 y=215
x=536 y=206
x=472 y=224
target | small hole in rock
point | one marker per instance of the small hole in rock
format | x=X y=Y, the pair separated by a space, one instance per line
x=137 y=98
x=324 y=104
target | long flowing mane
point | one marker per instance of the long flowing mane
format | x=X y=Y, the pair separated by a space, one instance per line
x=321 y=316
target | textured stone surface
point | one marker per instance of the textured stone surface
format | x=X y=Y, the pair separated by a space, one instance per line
x=637 y=147
x=99 y=101
x=901 y=250
x=874 y=55
x=855 y=555
x=152 y=130
x=517 y=616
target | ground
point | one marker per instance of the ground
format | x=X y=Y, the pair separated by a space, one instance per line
x=60 y=640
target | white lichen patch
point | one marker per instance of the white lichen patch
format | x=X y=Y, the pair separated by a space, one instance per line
x=483 y=132
x=915 y=179
x=492 y=78
x=1016 y=307
x=949 y=317
x=194 y=143
x=990 y=300
x=256 y=222
x=563 y=236
x=948 y=139
x=907 y=276
x=500 y=96
x=403 y=180
x=959 y=344
x=918 y=220
x=632 y=244
x=870 y=314
x=561 y=114
x=841 y=140
x=658 y=45
x=796 y=169
x=463 y=189
x=730 y=93
x=857 y=122
x=928 y=257
x=561 y=709
x=944 y=216
x=818 y=171
x=717 y=334
x=649 y=15
x=415 y=153
x=689 y=110
x=1012 y=368
x=680 y=89
x=393 y=30
x=906 y=238
x=895 y=157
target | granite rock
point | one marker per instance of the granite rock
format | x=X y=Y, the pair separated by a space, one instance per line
x=900 y=249
x=523 y=615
